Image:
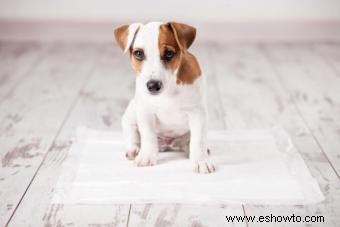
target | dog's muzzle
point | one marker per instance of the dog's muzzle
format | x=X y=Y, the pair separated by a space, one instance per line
x=154 y=86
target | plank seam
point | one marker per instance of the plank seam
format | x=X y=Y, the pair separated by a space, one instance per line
x=128 y=218
x=217 y=89
x=245 y=214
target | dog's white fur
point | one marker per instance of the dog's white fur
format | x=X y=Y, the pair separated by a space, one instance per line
x=178 y=111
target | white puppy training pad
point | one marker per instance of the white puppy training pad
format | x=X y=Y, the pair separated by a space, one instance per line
x=254 y=167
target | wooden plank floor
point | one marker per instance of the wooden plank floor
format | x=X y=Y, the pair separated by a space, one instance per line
x=47 y=90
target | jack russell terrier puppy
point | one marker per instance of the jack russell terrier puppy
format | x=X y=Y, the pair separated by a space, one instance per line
x=168 y=111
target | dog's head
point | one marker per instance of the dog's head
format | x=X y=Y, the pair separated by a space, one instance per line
x=158 y=54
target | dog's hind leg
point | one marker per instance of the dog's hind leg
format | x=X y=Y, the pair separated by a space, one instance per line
x=130 y=131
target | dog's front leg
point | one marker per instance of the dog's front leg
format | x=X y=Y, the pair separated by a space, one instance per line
x=198 y=142
x=149 y=144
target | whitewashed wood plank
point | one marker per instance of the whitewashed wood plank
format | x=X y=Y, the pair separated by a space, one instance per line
x=99 y=105
x=107 y=120
x=184 y=214
x=215 y=112
x=253 y=97
x=84 y=215
x=16 y=62
x=31 y=117
x=179 y=215
x=316 y=89
x=331 y=54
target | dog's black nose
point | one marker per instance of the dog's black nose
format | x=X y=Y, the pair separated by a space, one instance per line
x=154 y=86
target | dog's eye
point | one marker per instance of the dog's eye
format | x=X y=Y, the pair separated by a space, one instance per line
x=139 y=55
x=168 y=55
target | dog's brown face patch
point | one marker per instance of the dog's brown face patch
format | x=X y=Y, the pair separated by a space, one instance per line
x=171 y=40
x=136 y=60
x=121 y=35
x=167 y=42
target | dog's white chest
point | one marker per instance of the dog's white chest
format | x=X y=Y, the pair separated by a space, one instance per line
x=171 y=122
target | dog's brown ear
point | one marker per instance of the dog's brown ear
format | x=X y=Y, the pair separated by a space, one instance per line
x=184 y=34
x=125 y=35
x=121 y=35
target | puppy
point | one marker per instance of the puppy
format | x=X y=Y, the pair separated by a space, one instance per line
x=168 y=111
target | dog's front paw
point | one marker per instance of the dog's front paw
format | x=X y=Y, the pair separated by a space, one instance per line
x=132 y=153
x=145 y=159
x=203 y=166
